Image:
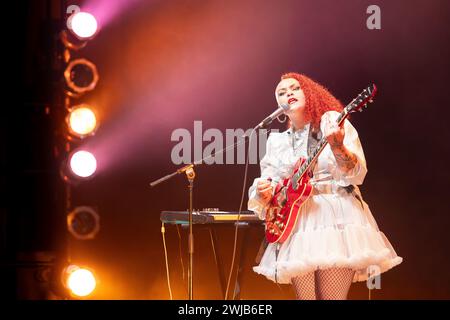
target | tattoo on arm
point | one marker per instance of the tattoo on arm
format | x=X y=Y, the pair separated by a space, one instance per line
x=334 y=143
x=345 y=159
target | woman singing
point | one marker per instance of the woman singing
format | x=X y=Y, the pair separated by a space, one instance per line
x=336 y=239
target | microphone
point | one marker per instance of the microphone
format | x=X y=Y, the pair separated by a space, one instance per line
x=281 y=109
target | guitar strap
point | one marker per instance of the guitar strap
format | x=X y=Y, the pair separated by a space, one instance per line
x=314 y=137
x=261 y=250
x=351 y=189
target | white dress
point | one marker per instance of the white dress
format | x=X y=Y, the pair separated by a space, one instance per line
x=334 y=228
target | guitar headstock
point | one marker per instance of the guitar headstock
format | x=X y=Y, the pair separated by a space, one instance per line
x=366 y=96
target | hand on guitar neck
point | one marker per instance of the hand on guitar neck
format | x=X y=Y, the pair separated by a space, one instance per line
x=335 y=134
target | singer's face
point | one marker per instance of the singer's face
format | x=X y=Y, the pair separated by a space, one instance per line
x=288 y=92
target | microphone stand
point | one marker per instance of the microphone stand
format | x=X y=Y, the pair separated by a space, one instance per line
x=190 y=174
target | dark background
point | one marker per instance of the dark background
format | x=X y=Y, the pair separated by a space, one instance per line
x=165 y=64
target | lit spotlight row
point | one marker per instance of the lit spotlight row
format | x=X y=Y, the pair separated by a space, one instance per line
x=82 y=122
x=81 y=76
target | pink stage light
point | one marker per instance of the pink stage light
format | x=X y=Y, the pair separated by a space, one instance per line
x=83 y=164
x=84 y=25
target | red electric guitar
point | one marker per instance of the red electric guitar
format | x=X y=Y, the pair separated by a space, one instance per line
x=291 y=193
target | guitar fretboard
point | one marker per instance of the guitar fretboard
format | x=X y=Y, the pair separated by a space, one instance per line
x=320 y=146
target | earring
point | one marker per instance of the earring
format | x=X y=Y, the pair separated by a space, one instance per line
x=284 y=119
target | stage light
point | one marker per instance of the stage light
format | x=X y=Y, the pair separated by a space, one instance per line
x=83 y=164
x=83 y=223
x=81 y=75
x=80 y=281
x=83 y=25
x=82 y=121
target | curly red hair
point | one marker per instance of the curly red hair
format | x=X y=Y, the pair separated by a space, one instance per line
x=318 y=99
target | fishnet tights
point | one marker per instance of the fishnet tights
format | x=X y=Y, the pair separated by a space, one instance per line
x=329 y=284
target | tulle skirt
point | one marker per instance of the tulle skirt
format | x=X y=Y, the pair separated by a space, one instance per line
x=332 y=231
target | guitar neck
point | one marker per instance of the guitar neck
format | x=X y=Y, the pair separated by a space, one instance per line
x=320 y=146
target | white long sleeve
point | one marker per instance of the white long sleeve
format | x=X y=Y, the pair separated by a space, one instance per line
x=351 y=141
x=268 y=170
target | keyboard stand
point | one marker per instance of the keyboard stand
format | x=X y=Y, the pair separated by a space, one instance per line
x=209 y=220
x=238 y=265
x=218 y=261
